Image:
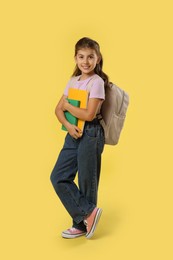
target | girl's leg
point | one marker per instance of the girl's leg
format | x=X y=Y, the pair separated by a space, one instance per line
x=89 y=163
x=62 y=178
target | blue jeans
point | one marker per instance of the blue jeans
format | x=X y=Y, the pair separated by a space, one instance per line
x=81 y=155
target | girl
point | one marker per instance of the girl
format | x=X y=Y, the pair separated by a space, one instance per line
x=82 y=150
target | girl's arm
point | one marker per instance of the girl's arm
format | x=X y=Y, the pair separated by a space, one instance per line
x=87 y=114
x=73 y=130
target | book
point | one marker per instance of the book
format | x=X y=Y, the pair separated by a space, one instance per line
x=70 y=118
x=82 y=96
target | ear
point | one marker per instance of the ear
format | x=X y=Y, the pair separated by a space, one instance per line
x=75 y=59
x=98 y=60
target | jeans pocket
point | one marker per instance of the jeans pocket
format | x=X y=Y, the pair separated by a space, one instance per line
x=91 y=132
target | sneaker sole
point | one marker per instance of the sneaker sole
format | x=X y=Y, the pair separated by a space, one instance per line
x=96 y=220
x=65 y=235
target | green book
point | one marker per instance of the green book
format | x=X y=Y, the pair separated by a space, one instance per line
x=70 y=118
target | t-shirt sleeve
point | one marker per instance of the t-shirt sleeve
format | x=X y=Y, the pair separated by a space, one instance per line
x=67 y=87
x=97 y=89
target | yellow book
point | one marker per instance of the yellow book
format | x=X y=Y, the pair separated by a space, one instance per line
x=82 y=96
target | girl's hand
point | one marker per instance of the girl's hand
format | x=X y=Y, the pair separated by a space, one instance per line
x=64 y=105
x=75 y=131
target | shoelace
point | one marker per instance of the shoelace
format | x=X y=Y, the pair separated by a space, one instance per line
x=72 y=229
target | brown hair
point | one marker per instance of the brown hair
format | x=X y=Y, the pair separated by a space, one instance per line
x=89 y=43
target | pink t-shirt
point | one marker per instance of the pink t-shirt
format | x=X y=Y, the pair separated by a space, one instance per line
x=97 y=90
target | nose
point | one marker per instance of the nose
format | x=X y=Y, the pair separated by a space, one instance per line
x=85 y=60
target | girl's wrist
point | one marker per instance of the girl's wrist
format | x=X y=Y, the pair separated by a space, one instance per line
x=68 y=125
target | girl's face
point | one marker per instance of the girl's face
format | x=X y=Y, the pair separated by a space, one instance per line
x=86 y=60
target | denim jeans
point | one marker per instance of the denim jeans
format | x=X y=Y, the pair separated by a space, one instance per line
x=82 y=155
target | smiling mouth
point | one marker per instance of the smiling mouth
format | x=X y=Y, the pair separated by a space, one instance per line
x=85 y=67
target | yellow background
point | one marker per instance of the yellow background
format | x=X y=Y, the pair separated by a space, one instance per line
x=37 y=48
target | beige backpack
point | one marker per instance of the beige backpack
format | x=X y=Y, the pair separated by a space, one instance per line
x=113 y=112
